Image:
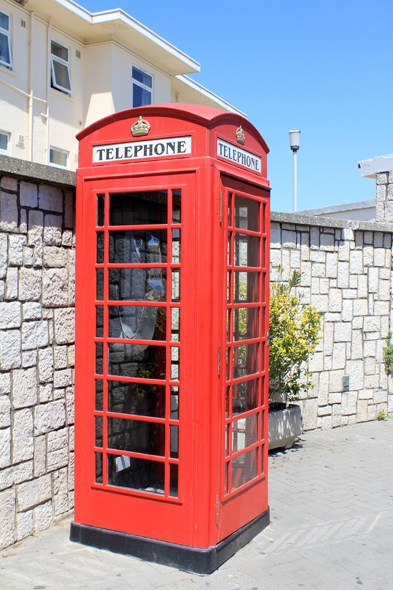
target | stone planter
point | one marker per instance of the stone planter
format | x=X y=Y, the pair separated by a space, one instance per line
x=284 y=426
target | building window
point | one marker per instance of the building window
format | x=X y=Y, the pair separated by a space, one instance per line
x=4 y=143
x=142 y=85
x=60 y=67
x=58 y=157
x=5 y=40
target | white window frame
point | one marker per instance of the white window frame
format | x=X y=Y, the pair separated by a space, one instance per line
x=54 y=58
x=56 y=149
x=141 y=85
x=8 y=35
x=7 y=151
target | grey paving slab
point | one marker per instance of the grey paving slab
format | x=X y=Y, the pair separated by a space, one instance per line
x=331 y=500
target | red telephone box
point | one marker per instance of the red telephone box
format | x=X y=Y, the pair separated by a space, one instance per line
x=171 y=335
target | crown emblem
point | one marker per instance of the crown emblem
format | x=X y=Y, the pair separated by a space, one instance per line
x=241 y=138
x=140 y=127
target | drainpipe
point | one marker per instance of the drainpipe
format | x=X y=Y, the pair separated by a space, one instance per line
x=48 y=74
x=31 y=78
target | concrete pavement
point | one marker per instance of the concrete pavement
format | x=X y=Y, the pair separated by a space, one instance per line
x=331 y=499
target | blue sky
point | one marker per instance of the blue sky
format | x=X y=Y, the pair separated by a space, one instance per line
x=322 y=67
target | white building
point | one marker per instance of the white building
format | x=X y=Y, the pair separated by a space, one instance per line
x=62 y=68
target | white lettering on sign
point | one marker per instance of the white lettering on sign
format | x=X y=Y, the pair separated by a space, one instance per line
x=136 y=150
x=236 y=154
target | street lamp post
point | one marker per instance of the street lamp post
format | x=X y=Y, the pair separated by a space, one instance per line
x=294 y=139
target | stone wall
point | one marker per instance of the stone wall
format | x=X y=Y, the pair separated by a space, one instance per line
x=37 y=296
x=346 y=275
x=384 y=196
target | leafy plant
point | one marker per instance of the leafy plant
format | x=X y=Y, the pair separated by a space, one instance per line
x=295 y=330
x=382 y=415
x=388 y=353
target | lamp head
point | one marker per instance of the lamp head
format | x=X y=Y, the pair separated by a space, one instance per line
x=294 y=139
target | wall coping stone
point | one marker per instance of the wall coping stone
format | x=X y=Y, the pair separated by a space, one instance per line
x=313 y=220
x=35 y=172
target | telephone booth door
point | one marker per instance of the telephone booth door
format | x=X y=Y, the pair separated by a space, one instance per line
x=244 y=382
x=138 y=417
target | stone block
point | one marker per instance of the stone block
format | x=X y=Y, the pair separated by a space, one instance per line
x=63 y=378
x=343 y=275
x=36 y=228
x=70 y=402
x=379 y=257
x=336 y=381
x=45 y=365
x=43 y=516
x=358 y=240
x=8 y=213
x=360 y=307
x=275 y=258
x=342 y=332
x=48 y=417
x=30 y=284
x=55 y=287
x=65 y=326
x=5 y=447
x=331 y=265
x=356 y=262
x=71 y=467
x=28 y=194
x=315 y=286
x=355 y=371
x=35 y=334
x=366 y=394
x=371 y=324
x=318 y=256
x=60 y=353
x=57 y=449
x=380 y=211
x=11 y=285
x=368 y=255
x=39 y=456
x=5 y=411
x=314 y=238
x=55 y=257
x=310 y=414
x=24 y=524
x=10 y=315
x=328 y=338
x=381 y=193
x=60 y=490
x=320 y=302
x=32 y=493
x=350 y=293
x=324 y=286
x=295 y=259
x=347 y=310
x=70 y=355
x=275 y=235
x=338 y=360
x=387 y=240
x=69 y=209
x=362 y=286
x=357 y=344
x=318 y=270
x=288 y=239
x=50 y=198
x=335 y=300
x=7 y=518
x=32 y=310
x=68 y=238
x=3 y=255
x=24 y=388
x=5 y=382
x=29 y=358
x=45 y=393
x=305 y=280
x=384 y=290
x=23 y=221
x=28 y=256
x=327 y=241
x=381 y=178
x=335 y=398
x=10 y=350
x=343 y=251
x=381 y=308
x=15 y=251
x=361 y=414
x=9 y=184
x=22 y=436
x=388 y=212
x=52 y=230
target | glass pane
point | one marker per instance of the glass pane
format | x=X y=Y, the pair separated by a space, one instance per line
x=4 y=21
x=137 y=284
x=140 y=96
x=98 y=442
x=226 y=441
x=141 y=208
x=174 y=481
x=245 y=323
x=175 y=324
x=100 y=210
x=227 y=400
x=261 y=459
x=98 y=467
x=99 y=321
x=138 y=247
x=175 y=285
x=137 y=474
x=59 y=51
x=176 y=206
x=244 y=432
x=246 y=213
x=136 y=360
x=141 y=76
x=99 y=358
x=229 y=209
x=140 y=399
x=5 y=48
x=99 y=284
x=58 y=157
x=3 y=136
x=226 y=478
x=245 y=287
x=175 y=360
x=99 y=395
x=244 y=468
x=245 y=396
x=262 y=426
x=100 y=247
x=174 y=441
x=228 y=369
x=136 y=436
x=229 y=287
x=228 y=325
x=246 y=250
x=61 y=75
x=245 y=360
x=174 y=402
x=138 y=323
x=176 y=246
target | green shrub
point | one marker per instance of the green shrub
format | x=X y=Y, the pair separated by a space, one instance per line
x=295 y=330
